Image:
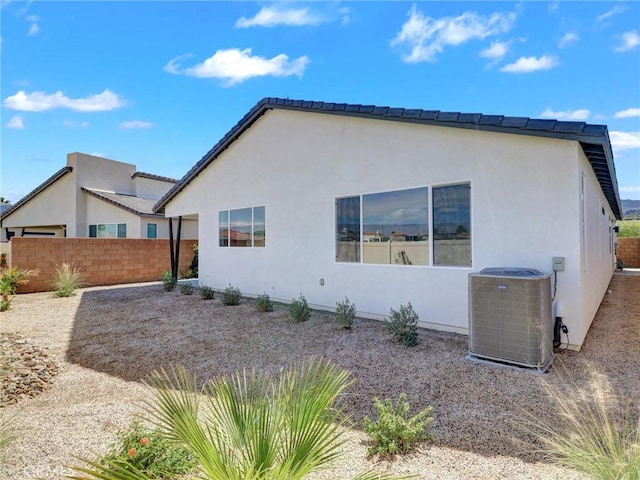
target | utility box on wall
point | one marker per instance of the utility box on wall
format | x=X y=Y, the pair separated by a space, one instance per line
x=510 y=317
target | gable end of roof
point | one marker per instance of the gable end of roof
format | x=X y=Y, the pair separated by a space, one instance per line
x=44 y=185
x=595 y=136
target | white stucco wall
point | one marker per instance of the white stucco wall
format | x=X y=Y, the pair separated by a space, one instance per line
x=524 y=210
x=150 y=188
x=99 y=212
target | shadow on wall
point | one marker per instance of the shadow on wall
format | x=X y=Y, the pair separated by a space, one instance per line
x=130 y=332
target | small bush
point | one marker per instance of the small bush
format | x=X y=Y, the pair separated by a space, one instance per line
x=66 y=280
x=148 y=452
x=206 y=292
x=231 y=296
x=345 y=313
x=403 y=325
x=629 y=228
x=169 y=282
x=10 y=280
x=264 y=303
x=394 y=431
x=186 y=288
x=299 y=309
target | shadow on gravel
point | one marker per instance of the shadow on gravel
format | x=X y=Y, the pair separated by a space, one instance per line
x=130 y=332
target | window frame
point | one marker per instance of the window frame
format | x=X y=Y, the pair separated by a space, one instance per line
x=255 y=241
x=120 y=229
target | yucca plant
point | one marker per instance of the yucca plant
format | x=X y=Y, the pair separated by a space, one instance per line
x=248 y=426
x=589 y=437
x=66 y=280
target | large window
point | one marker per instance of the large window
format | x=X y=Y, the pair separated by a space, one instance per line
x=108 y=230
x=243 y=227
x=452 y=225
x=396 y=227
x=393 y=227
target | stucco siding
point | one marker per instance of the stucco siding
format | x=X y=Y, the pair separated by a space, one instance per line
x=523 y=209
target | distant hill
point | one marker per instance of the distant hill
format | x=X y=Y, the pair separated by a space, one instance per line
x=631 y=209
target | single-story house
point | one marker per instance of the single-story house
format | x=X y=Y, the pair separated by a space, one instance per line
x=447 y=193
x=93 y=197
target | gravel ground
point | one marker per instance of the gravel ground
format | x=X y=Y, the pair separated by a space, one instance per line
x=107 y=339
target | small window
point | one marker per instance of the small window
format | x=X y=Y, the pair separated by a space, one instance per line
x=243 y=227
x=93 y=231
x=122 y=230
x=152 y=230
x=452 y=225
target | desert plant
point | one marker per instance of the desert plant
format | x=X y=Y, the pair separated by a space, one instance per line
x=248 y=425
x=264 y=303
x=403 y=325
x=10 y=280
x=402 y=258
x=192 y=271
x=591 y=432
x=299 y=309
x=66 y=280
x=169 y=282
x=148 y=451
x=394 y=431
x=231 y=296
x=206 y=292
x=629 y=228
x=186 y=288
x=345 y=313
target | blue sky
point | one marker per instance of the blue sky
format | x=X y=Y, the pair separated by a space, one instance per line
x=158 y=83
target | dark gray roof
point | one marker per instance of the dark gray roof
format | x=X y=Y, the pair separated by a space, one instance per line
x=154 y=177
x=131 y=203
x=594 y=139
x=48 y=182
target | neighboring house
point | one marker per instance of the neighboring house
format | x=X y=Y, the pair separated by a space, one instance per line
x=93 y=197
x=466 y=191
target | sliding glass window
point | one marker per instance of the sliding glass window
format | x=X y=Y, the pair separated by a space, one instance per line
x=243 y=227
x=348 y=229
x=452 y=225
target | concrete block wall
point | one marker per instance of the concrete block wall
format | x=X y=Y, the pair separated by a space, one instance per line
x=629 y=251
x=102 y=261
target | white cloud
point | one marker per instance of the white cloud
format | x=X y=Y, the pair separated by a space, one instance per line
x=16 y=123
x=531 y=64
x=568 y=38
x=572 y=115
x=496 y=51
x=134 y=124
x=72 y=124
x=33 y=29
x=41 y=101
x=426 y=37
x=629 y=112
x=629 y=40
x=610 y=13
x=276 y=15
x=635 y=189
x=624 y=140
x=235 y=66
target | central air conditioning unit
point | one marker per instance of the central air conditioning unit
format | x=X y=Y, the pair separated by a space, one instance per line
x=510 y=319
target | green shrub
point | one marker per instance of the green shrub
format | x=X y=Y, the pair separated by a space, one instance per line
x=10 y=280
x=629 y=228
x=169 y=282
x=345 y=313
x=403 y=325
x=149 y=452
x=231 y=296
x=206 y=292
x=66 y=280
x=264 y=303
x=186 y=288
x=299 y=309
x=394 y=431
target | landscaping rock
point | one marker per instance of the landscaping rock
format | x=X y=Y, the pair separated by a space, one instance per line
x=26 y=370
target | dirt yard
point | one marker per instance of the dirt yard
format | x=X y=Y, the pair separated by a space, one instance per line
x=107 y=340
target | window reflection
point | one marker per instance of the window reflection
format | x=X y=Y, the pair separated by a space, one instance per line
x=452 y=225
